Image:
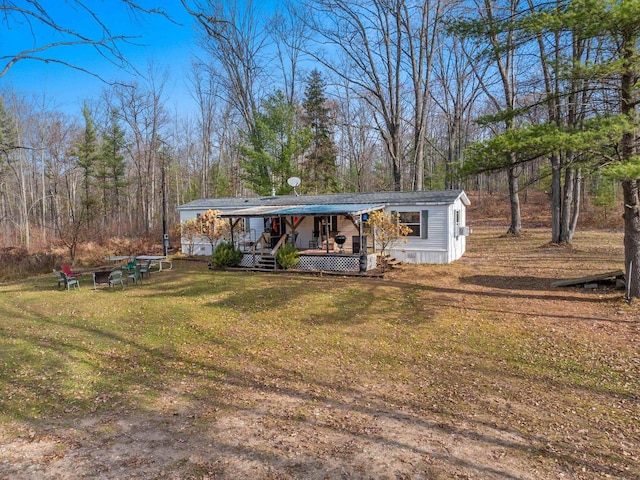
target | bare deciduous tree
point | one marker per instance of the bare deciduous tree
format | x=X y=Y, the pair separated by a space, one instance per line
x=289 y=36
x=455 y=92
x=234 y=38
x=488 y=23
x=363 y=45
x=421 y=22
x=54 y=30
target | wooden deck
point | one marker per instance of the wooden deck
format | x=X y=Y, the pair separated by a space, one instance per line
x=600 y=277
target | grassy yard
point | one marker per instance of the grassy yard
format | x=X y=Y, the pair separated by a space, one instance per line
x=472 y=370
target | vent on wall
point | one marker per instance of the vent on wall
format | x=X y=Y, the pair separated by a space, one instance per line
x=464 y=231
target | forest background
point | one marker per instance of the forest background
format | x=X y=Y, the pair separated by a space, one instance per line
x=348 y=95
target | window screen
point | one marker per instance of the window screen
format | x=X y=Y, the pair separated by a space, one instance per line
x=411 y=220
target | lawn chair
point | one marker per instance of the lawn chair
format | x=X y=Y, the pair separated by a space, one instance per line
x=115 y=278
x=67 y=282
x=59 y=278
x=135 y=275
x=71 y=281
x=68 y=272
x=131 y=265
x=145 y=270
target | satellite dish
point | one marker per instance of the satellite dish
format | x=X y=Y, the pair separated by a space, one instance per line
x=294 y=182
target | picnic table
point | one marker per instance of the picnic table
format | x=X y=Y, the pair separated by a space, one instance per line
x=118 y=258
x=156 y=260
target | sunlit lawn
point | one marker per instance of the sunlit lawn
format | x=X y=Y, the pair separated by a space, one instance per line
x=484 y=338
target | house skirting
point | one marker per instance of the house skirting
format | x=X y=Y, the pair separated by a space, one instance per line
x=433 y=256
x=338 y=262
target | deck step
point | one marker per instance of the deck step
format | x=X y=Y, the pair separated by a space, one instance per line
x=266 y=262
x=391 y=262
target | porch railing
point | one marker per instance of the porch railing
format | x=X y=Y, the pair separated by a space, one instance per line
x=262 y=241
x=265 y=241
x=282 y=241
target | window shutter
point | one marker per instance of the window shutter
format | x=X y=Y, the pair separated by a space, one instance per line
x=424 y=224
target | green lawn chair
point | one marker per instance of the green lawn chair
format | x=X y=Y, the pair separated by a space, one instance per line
x=115 y=278
x=145 y=270
x=59 y=278
x=135 y=274
x=131 y=265
x=69 y=281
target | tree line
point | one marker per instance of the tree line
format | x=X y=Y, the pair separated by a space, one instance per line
x=349 y=95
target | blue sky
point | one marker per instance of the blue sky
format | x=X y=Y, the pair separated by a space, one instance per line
x=165 y=43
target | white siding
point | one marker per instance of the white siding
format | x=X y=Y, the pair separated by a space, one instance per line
x=433 y=249
x=457 y=242
x=201 y=246
x=349 y=230
x=443 y=245
x=305 y=232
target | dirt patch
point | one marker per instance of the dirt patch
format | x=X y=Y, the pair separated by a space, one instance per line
x=345 y=437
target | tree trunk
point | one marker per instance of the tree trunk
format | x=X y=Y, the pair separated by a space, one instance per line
x=567 y=205
x=514 y=202
x=631 y=194
x=628 y=150
x=577 y=198
x=556 y=198
x=418 y=176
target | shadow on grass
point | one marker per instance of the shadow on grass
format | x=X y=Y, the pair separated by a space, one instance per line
x=276 y=381
x=127 y=363
x=513 y=282
x=509 y=282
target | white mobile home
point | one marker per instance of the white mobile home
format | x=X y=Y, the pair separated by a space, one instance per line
x=334 y=225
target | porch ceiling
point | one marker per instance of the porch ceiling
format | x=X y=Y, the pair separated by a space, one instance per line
x=303 y=210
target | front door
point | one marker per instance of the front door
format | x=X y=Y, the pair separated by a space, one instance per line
x=277 y=227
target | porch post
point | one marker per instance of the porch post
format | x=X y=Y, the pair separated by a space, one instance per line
x=360 y=228
x=326 y=220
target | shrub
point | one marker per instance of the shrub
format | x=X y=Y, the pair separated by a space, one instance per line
x=226 y=255
x=287 y=256
x=19 y=263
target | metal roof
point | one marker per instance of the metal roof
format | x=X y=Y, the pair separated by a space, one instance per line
x=428 y=197
x=303 y=210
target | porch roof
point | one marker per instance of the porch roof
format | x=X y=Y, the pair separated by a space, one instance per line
x=303 y=210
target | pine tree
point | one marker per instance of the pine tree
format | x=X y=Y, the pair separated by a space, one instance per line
x=113 y=165
x=608 y=139
x=8 y=141
x=87 y=157
x=320 y=172
x=273 y=146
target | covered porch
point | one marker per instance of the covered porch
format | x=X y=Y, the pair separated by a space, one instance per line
x=328 y=237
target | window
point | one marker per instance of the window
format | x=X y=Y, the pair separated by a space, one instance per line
x=418 y=222
x=240 y=225
x=276 y=226
x=320 y=225
x=411 y=220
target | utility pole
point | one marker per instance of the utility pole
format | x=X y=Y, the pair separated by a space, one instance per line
x=165 y=235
